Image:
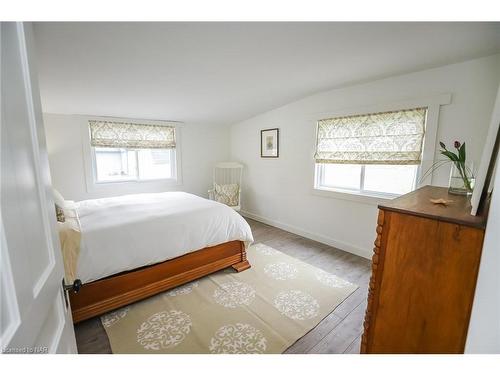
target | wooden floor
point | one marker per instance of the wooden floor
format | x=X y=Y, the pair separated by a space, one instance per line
x=339 y=332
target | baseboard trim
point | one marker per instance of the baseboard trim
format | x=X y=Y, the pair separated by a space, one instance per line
x=312 y=236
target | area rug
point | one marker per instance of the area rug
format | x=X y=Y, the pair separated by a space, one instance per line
x=262 y=310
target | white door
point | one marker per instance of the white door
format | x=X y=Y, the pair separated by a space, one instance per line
x=34 y=316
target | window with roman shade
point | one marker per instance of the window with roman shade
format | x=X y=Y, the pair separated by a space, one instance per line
x=391 y=138
x=132 y=151
x=131 y=135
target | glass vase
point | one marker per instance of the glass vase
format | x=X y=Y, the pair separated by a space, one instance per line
x=461 y=179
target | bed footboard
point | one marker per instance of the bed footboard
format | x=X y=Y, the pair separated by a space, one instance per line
x=101 y=296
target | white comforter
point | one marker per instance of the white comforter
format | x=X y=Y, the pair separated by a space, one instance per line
x=131 y=231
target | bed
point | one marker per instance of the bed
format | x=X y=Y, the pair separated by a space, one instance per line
x=130 y=247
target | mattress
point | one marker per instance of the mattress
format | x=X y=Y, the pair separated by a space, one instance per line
x=127 y=232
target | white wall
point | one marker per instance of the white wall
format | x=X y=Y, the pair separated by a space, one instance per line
x=279 y=191
x=484 y=327
x=201 y=147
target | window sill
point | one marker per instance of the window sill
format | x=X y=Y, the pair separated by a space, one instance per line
x=170 y=181
x=364 y=198
x=133 y=187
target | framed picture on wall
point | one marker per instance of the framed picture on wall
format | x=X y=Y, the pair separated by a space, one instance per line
x=269 y=143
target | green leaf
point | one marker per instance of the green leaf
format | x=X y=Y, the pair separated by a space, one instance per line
x=433 y=167
x=450 y=155
x=461 y=153
x=442 y=145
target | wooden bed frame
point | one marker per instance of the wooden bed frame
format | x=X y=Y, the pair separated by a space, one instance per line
x=112 y=292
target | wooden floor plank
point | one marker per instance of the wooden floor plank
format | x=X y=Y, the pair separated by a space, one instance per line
x=307 y=342
x=343 y=335
x=339 y=332
x=355 y=346
x=349 y=304
x=91 y=337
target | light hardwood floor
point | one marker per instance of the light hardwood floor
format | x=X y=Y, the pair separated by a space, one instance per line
x=339 y=332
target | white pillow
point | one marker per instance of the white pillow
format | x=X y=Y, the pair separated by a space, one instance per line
x=70 y=210
x=227 y=194
x=58 y=198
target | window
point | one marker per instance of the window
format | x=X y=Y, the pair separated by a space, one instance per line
x=368 y=179
x=122 y=164
x=374 y=154
x=132 y=152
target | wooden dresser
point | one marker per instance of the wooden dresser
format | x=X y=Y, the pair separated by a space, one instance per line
x=424 y=271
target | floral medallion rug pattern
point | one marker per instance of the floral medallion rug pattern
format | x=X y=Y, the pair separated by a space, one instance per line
x=264 y=309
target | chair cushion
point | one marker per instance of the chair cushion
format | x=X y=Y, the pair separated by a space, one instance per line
x=227 y=194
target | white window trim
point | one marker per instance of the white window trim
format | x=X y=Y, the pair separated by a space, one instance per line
x=94 y=186
x=433 y=104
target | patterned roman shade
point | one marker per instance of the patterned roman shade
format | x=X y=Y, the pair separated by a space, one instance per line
x=131 y=135
x=378 y=138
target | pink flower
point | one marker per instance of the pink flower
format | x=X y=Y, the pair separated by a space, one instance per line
x=457 y=144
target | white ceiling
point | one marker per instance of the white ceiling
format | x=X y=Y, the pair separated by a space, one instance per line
x=222 y=73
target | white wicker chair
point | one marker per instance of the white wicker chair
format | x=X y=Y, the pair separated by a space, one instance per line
x=227 y=173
